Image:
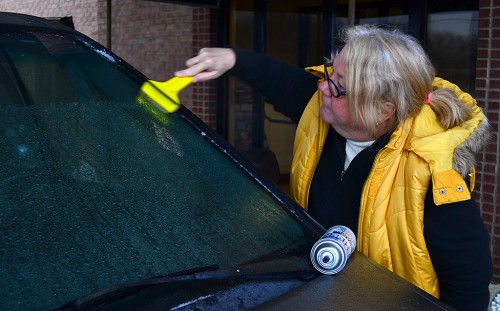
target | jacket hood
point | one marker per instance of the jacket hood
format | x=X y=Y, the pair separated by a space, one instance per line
x=465 y=141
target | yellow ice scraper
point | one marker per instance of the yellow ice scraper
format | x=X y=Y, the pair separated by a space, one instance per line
x=165 y=94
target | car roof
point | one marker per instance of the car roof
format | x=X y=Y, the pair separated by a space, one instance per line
x=18 y=19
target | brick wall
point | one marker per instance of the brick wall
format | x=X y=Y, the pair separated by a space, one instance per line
x=84 y=12
x=488 y=96
x=152 y=36
x=203 y=100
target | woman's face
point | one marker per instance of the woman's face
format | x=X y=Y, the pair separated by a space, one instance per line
x=335 y=111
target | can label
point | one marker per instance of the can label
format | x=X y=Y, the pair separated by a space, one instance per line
x=329 y=255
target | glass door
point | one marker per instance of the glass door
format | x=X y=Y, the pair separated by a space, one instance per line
x=290 y=31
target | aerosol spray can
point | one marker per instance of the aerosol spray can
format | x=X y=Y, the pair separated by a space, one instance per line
x=329 y=255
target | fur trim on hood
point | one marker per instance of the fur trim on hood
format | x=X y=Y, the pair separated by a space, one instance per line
x=464 y=159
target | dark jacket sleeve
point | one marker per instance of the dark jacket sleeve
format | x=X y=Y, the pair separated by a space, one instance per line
x=458 y=244
x=286 y=87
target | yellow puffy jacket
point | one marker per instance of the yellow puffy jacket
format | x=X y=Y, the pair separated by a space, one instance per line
x=391 y=216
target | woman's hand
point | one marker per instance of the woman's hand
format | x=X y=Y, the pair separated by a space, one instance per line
x=210 y=63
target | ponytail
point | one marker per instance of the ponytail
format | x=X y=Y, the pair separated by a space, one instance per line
x=448 y=108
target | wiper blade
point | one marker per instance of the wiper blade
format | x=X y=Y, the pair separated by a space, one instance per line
x=115 y=292
x=289 y=267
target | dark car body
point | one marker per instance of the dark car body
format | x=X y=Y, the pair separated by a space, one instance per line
x=107 y=202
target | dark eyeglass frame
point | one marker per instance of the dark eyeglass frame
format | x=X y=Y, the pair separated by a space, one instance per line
x=335 y=91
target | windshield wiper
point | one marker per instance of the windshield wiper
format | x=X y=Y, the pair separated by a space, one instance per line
x=289 y=267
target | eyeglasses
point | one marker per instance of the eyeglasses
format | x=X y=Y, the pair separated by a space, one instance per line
x=335 y=90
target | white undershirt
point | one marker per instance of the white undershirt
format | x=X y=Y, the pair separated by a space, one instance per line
x=352 y=148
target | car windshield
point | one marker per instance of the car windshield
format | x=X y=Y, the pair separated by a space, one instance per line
x=98 y=187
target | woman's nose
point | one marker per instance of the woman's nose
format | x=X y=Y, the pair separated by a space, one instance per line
x=323 y=87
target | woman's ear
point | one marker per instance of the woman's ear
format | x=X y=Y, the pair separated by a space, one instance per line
x=386 y=112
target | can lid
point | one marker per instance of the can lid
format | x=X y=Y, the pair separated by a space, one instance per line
x=327 y=257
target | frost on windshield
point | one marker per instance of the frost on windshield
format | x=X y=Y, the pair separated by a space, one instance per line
x=97 y=189
x=167 y=140
x=104 y=193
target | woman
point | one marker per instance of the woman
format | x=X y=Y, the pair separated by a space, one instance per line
x=384 y=147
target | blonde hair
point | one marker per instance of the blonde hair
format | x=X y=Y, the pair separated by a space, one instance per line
x=389 y=66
